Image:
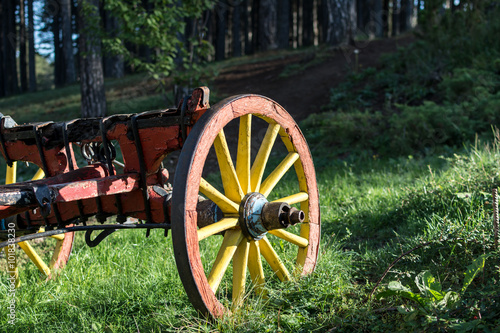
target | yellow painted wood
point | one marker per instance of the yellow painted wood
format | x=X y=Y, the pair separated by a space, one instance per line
x=273 y=260
x=38 y=175
x=232 y=239
x=232 y=188
x=13 y=270
x=217 y=227
x=289 y=237
x=240 y=261
x=259 y=165
x=244 y=152
x=294 y=198
x=255 y=267
x=56 y=253
x=299 y=169
x=278 y=173
x=59 y=237
x=10 y=175
x=30 y=251
x=302 y=253
x=226 y=205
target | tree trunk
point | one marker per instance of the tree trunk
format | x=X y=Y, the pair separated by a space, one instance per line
x=246 y=17
x=255 y=25
x=267 y=25
x=23 y=65
x=365 y=8
x=307 y=23
x=10 y=43
x=385 y=18
x=283 y=28
x=114 y=66
x=405 y=15
x=237 y=29
x=67 y=41
x=93 y=96
x=220 y=30
x=31 y=52
x=376 y=19
x=341 y=23
x=323 y=20
x=59 y=73
x=395 y=18
x=2 y=46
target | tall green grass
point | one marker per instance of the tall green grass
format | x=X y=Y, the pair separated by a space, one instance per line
x=373 y=210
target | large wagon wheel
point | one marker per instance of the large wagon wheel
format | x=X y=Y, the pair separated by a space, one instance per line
x=204 y=270
x=48 y=255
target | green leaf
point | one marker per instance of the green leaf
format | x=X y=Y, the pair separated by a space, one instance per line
x=428 y=285
x=395 y=288
x=449 y=300
x=472 y=271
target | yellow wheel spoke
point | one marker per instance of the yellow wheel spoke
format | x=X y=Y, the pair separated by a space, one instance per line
x=56 y=253
x=289 y=237
x=278 y=173
x=10 y=175
x=59 y=237
x=226 y=205
x=255 y=266
x=12 y=265
x=217 y=227
x=232 y=187
x=38 y=175
x=294 y=198
x=35 y=258
x=243 y=157
x=259 y=165
x=240 y=261
x=273 y=259
x=232 y=239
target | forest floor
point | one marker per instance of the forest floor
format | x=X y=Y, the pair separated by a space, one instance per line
x=301 y=82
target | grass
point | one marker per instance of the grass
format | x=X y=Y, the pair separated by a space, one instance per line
x=372 y=211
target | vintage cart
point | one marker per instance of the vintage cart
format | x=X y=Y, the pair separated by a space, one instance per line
x=233 y=207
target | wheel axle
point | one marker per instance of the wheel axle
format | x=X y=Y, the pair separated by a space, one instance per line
x=258 y=216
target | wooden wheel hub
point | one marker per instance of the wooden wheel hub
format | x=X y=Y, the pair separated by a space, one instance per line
x=258 y=216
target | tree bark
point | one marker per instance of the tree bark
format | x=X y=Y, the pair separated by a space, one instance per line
x=31 y=52
x=2 y=71
x=247 y=16
x=23 y=65
x=376 y=19
x=93 y=97
x=283 y=28
x=67 y=41
x=395 y=18
x=307 y=23
x=267 y=25
x=405 y=15
x=59 y=73
x=385 y=17
x=255 y=25
x=341 y=22
x=237 y=29
x=10 y=45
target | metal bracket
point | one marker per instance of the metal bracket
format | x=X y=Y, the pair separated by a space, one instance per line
x=43 y=197
x=93 y=243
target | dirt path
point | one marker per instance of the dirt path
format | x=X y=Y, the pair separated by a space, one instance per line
x=305 y=92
